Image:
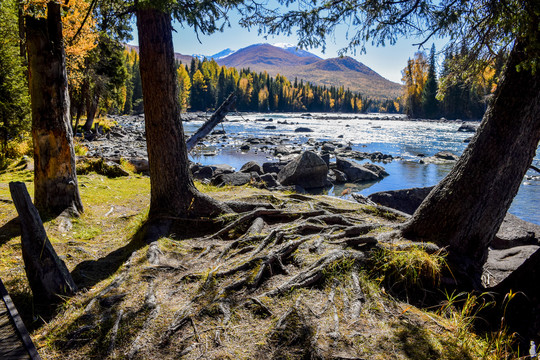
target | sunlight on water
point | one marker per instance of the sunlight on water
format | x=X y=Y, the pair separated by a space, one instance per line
x=388 y=134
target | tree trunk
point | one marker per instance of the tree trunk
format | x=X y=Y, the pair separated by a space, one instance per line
x=466 y=208
x=92 y=102
x=47 y=274
x=172 y=190
x=55 y=180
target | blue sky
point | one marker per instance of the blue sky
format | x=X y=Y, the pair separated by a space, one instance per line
x=388 y=61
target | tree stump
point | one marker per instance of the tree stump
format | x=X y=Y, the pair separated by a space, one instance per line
x=47 y=274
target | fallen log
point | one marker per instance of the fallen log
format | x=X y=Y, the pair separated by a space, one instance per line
x=211 y=123
x=47 y=274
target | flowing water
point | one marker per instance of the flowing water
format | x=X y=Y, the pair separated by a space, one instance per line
x=388 y=134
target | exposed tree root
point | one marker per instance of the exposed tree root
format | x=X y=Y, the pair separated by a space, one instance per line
x=274 y=235
x=114 y=331
x=268 y=262
x=316 y=272
x=356 y=241
x=358 y=297
x=240 y=243
x=244 y=218
x=240 y=206
x=353 y=231
x=256 y=227
x=251 y=248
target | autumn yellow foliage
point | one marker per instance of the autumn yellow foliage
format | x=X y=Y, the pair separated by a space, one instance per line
x=78 y=41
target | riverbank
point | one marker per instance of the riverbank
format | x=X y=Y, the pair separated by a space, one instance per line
x=335 y=293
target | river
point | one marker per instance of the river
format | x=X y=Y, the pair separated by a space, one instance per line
x=388 y=134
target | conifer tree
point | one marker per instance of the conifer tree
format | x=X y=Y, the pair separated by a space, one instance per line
x=429 y=93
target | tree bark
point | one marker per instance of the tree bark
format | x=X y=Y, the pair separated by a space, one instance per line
x=55 y=180
x=464 y=211
x=92 y=102
x=47 y=274
x=172 y=189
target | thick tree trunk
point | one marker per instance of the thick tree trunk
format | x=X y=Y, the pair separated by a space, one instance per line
x=55 y=180
x=47 y=274
x=466 y=208
x=172 y=190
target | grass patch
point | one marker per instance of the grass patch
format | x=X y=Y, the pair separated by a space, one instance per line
x=406 y=273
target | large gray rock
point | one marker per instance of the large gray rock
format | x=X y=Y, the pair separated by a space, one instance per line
x=222 y=169
x=203 y=172
x=513 y=231
x=251 y=166
x=516 y=232
x=501 y=263
x=377 y=169
x=406 y=200
x=269 y=180
x=308 y=170
x=356 y=172
x=272 y=167
x=234 y=179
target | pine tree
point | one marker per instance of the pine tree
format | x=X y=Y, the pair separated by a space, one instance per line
x=430 y=103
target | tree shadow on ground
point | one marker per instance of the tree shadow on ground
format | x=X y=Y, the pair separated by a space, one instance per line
x=419 y=345
x=89 y=273
x=10 y=230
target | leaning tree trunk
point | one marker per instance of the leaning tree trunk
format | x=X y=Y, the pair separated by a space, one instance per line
x=55 y=180
x=466 y=208
x=47 y=274
x=172 y=190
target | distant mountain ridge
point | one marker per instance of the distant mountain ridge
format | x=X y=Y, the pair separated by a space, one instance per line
x=293 y=63
x=301 y=64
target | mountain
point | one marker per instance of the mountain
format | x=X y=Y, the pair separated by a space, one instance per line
x=294 y=50
x=222 y=54
x=265 y=57
x=294 y=63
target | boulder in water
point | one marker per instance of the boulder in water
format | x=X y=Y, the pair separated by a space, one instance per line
x=356 y=172
x=251 y=166
x=308 y=170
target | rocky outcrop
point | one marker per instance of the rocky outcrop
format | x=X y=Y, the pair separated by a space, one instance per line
x=232 y=179
x=357 y=173
x=251 y=166
x=303 y=129
x=501 y=263
x=406 y=200
x=516 y=232
x=272 y=167
x=308 y=170
x=512 y=233
x=442 y=157
x=467 y=128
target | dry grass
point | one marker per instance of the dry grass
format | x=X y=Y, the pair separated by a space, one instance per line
x=317 y=322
